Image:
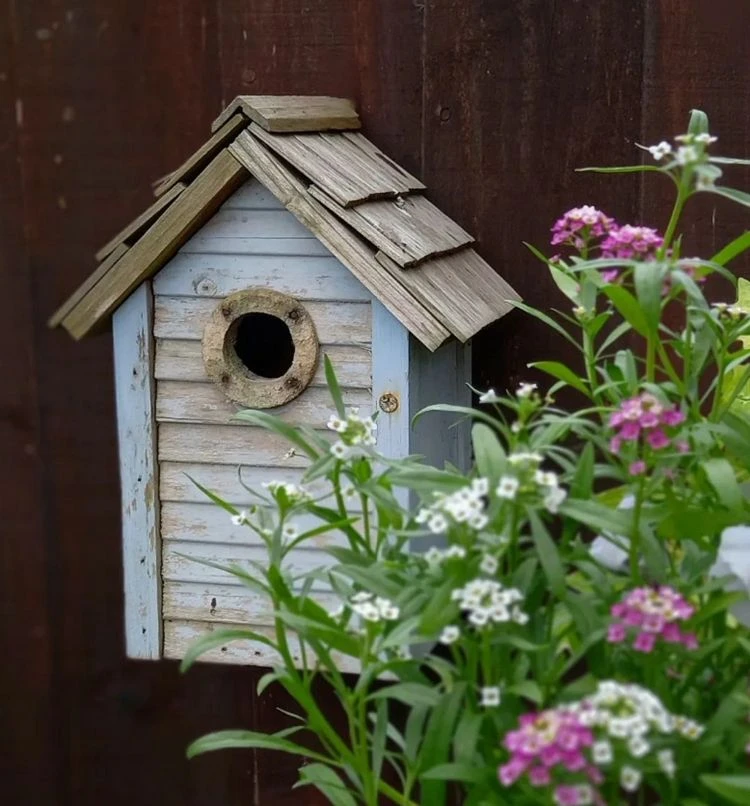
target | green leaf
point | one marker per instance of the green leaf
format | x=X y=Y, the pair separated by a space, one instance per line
x=583 y=479
x=467 y=735
x=379 y=736
x=722 y=478
x=562 y=373
x=272 y=423
x=548 y=555
x=565 y=283
x=529 y=690
x=732 y=249
x=408 y=693
x=488 y=452
x=333 y=387
x=542 y=317
x=436 y=744
x=738 y=196
x=649 y=281
x=729 y=161
x=624 y=169
x=733 y=788
x=698 y=122
x=248 y=740
x=218 y=500
x=325 y=779
x=466 y=773
x=449 y=408
x=265 y=682
x=219 y=638
x=628 y=307
x=328 y=634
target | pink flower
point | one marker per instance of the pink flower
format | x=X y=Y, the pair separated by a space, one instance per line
x=581 y=226
x=539 y=776
x=644 y=642
x=651 y=615
x=657 y=439
x=637 y=468
x=628 y=242
x=630 y=431
x=567 y=796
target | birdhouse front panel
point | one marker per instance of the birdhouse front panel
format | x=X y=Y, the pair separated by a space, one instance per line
x=287 y=235
x=252 y=252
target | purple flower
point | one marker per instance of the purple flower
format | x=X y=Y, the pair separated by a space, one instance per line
x=580 y=226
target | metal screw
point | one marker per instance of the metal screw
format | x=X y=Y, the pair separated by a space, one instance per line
x=292 y=382
x=388 y=402
x=225 y=378
x=294 y=314
x=226 y=310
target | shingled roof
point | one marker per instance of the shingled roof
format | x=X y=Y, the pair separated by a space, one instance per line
x=367 y=210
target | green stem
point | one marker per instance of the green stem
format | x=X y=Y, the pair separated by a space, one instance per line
x=635 y=538
x=651 y=357
x=590 y=362
x=683 y=194
x=668 y=367
x=394 y=795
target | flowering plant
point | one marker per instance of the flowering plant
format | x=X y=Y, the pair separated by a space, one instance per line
x=565 y=622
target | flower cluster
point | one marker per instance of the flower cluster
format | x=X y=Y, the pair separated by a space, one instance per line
x=354 y=432
x=373 y=608
x=466 y=505
x=630 y=243
x=488 y=602
x=293 y=493
x=551 y=745
x=574 y=747
x=645 y=421
x=651 y=614
x=689 y=152
x=528 y=479
x=579 y=226
x=734 y=313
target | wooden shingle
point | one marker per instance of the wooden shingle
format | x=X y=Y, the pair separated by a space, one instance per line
x=294 y=113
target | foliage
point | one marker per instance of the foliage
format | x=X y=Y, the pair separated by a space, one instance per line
x=565 y=622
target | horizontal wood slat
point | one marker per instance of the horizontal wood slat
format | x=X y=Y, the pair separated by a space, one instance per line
x=460 y=289
x=303 y=277
x=225 y=444
x=253 y=224
x=182 y=360
x=200 y=244
x=409 y=229
x=356 y=255
x=346 y=166
x=192 y=207
x=294 y=113
x=198 y=160
x=335 y=322
x=131 y=233
x=253 y=195
x=185 y=402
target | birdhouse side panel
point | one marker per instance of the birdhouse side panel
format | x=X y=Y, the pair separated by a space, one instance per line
x=251 y=243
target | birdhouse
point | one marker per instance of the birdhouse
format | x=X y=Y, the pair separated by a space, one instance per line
x=286 y=236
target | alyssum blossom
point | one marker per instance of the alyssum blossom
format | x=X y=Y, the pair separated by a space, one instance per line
x=465 y=506
x=373 y=608
x=579 y=226
x=355 y=434
x=527 y=479
x=295 y=494
x=649 y=615
x=629 y=243
x=487 y=601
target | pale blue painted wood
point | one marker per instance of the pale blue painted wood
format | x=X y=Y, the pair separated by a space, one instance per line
x=136 y=431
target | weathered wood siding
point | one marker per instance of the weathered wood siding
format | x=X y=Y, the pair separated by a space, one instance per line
x=251 y=241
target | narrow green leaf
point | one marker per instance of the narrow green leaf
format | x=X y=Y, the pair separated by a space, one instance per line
x=219 y=638
x=488 y=452
x=565 y=283
x=722 y=478
x=548 y=555
x=322 y=777
x=733 y=788
x=624 y=169
x=247 y=740
x=698 y=122
x=529 y=690
x=738 y=196
x=542 y=317
x=628 y=307
x=212 y=496
x=733 y=249
x=562 y=373
x=729 y=161
x=649 y=280
x=466 y=773
x=333 y=387
x=408 y=693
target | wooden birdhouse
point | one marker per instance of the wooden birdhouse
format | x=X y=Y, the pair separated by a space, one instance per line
x=287 y=235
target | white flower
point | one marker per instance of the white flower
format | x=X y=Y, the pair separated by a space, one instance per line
x=691 y=730
x=387 y=609
x=455 y=553
x=242 y=518
x=607 y=551
x=630 y=778
x=479 y=616
x=480 y=486
x=525 y=457
x=449 y=634
x=488 y=565
x=438 y=523
x=666 y=762
x=489 y=397
x=601 y=752
x=546 y=479
x=706 y=138
x=733 y=562
x=660 y=150
x=638 y=746
x=433 y=556
x=525 y=390
x=490 y=696
x=585 y=794
x=362 y=596
x=290 y=531
x=554 y=498
x=507 y=487
x=516 y=426
x=367 y=610
x=686 y=155
x=335 y=423
x=519 y=616
x=339 y=450
x=336 y=612
x=704 y=182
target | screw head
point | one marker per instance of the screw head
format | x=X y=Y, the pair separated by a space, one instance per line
x=388 y=402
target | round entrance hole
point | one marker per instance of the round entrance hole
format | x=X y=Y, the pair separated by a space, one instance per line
x=264 y=344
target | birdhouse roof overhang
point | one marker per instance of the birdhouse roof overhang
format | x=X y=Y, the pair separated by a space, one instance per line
x=368 y=211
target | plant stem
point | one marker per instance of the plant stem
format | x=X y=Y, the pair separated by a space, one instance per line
x=651 y=357
x=590 y=361
x=635 y=538
x=683 y=194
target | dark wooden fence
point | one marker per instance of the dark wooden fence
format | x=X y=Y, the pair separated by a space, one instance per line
x=492 y=102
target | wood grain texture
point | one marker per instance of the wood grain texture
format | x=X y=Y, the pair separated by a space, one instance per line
x=347 y=166
x=179 y=402
x=349 y=249
x=294 y=113
x=408 y=229
x=335 y=322
x=130 y=233
x=182 y=360
x=139 y=483
x=195 y=163
x=194 y=206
